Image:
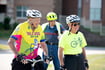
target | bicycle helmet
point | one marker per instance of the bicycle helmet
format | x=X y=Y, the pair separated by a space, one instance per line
x=33 y=13
x=51 y=16
x=72 y=19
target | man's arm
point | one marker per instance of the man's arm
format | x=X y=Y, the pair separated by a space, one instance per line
x=12 y=46
x=60 y=56
x=85 y=59
x=44 y=47
x=84 y=53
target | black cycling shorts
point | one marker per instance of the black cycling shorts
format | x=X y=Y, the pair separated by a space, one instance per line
x=74 y=62
x=16 y=65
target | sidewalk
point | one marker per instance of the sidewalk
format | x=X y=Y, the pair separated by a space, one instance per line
x=5 y=60
x=95 y=50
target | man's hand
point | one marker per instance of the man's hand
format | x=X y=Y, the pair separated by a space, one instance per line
x=86 y=64
x=63 y=68
x=47 y=59
x=21 y=58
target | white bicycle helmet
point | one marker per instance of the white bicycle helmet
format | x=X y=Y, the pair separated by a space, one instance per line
x=72 y=19
x=33 y=13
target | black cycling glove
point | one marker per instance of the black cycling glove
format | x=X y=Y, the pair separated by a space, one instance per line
x=47 y=58
x=86 y=64
x=20 y=57
x=62 y=68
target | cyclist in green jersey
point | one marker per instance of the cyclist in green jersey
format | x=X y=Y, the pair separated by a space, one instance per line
x=72 y=44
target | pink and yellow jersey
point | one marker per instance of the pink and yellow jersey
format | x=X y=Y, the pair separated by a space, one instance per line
x=27 y=41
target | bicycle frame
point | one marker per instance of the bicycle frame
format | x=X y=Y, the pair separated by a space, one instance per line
x=34 y=61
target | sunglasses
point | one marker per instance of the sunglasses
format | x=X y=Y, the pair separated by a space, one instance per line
x=75 y=24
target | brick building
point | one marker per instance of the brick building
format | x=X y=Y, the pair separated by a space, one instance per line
x=92 y=10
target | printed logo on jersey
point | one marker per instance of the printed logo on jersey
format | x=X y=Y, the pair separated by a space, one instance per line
x=76 y=42
x=33 y=34
x=33 y=46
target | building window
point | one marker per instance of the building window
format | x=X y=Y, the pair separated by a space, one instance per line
x=79 y=7
x=95 y=9
x=21 y=11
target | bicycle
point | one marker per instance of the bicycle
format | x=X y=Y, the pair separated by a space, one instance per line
x=22 y=59
x=33 y=61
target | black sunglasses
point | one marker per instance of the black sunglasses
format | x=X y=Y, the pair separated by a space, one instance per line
x=75 y=24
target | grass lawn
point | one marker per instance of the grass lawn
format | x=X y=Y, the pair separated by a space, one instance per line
x=96 y=62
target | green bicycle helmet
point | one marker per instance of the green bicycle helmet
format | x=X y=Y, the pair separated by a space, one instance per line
x=51 y=16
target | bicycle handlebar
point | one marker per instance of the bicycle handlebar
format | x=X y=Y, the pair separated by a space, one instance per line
x=34 y=61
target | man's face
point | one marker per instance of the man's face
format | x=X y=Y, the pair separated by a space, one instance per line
x=34 y=21
x=52 y=22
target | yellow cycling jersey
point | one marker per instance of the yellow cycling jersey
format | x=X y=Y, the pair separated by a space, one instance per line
x=27 y=41
x=72 y=43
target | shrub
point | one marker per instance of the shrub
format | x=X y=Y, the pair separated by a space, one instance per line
x=6 y=23
x=1 y=25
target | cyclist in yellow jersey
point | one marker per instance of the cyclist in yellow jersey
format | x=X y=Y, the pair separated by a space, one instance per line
x=28 y=37
x=72 y=44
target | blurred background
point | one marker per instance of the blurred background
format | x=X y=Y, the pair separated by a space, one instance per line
x=92 y=13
